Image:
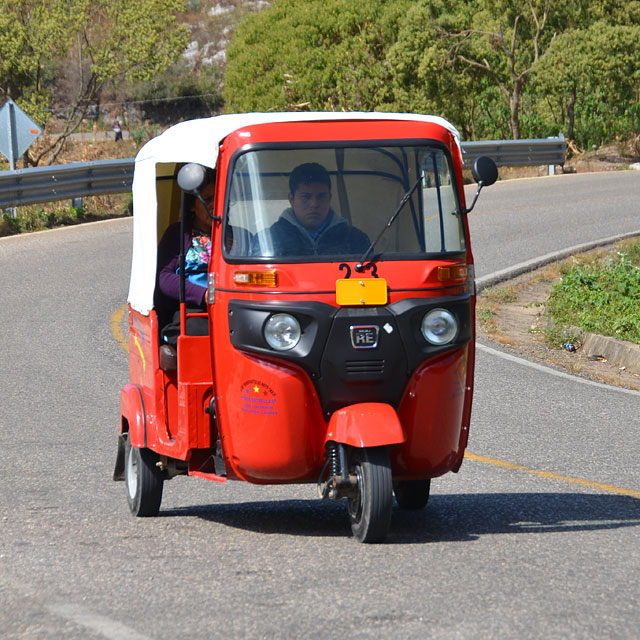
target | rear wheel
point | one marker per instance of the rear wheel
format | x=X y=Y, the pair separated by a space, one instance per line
x=412 y=494
x=144 y=480
x=370 y=508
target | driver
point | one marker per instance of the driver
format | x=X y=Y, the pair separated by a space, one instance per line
x=310 y=226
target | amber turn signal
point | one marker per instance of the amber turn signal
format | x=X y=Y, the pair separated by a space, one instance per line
x=256 y=278
x=453 y=273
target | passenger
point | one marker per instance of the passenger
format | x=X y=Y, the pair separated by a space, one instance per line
x=196 y=243
x=310 y=226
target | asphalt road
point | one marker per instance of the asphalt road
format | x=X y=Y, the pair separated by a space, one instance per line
x=537 y=536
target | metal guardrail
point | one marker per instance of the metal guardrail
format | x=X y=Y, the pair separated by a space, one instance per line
x=68 y=181
x=517 y=153
x=65 y=181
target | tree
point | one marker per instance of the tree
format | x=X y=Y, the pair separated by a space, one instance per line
x=33 y=34
x=499 y=41
x=424 y=80
x=591 y=77
x=313 y=55
x=112 y=40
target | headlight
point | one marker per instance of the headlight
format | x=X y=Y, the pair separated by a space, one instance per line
x=282 y=332
x=439 y=326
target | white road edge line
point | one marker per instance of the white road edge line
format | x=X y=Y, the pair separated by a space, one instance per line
x=110 y=629
x=553 y=372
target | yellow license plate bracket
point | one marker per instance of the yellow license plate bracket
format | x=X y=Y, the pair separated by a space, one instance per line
x=361 y=292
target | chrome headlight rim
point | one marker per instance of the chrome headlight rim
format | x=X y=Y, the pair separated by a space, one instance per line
x=439 y=327
x=282 y=331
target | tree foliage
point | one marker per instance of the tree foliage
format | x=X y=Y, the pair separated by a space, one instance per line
x=33 y=34
x=488 y=48
x=109 y=40
x=313 y=55
x=495 y=68
x=590 y=82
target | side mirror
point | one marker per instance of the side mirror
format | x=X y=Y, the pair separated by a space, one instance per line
x=191 y=177
x=485 y=173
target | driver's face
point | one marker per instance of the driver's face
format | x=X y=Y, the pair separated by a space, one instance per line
x=310 y=203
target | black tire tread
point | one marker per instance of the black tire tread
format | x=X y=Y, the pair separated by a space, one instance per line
x=146 y=502
x=373 y=524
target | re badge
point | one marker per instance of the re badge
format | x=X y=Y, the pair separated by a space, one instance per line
x=364 y=336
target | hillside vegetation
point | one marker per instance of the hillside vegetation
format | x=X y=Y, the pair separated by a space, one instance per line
x=499 y=69
x=495 y=68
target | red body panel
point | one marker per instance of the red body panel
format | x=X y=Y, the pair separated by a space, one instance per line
x=269 y=416
x=431 y=411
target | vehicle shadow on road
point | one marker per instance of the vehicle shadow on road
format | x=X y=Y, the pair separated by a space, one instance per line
x=460 y=517
x=447 y=517
x=289 y=517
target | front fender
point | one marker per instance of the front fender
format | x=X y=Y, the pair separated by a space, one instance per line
x=367 y=424
x=132 y=414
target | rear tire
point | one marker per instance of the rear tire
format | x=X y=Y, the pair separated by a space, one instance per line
x=370 y=509
x=144 y=481
x=412 y=494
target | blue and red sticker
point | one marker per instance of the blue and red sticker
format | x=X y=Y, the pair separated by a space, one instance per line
x=258 y=397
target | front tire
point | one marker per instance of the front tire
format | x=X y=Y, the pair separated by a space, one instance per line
x=370 y=509
x=144 y=481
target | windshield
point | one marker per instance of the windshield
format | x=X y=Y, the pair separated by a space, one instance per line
x=319 y=204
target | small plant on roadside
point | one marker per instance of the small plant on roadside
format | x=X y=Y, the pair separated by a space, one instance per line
x=559 y=335
x=139 y=135
x=484 y=314
x=502 y=295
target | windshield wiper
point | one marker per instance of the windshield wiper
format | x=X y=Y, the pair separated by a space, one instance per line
x=360 y=266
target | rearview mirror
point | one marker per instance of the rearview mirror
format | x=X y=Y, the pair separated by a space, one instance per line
x=484 y=171
x=191 y=177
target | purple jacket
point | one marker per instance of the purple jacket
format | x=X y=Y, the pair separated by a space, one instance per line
x=168 y=263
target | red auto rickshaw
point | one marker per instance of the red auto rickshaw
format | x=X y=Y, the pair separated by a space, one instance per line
x=344 y=358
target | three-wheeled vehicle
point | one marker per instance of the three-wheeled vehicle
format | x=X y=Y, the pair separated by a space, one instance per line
x=340 y=347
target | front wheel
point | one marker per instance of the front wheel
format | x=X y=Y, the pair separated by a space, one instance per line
x=144 y=480
x=370 y=508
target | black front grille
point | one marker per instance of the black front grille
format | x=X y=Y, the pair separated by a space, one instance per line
x=364 y=367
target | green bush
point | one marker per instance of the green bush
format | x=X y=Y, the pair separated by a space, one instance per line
x=37 y=219
x=599 y=297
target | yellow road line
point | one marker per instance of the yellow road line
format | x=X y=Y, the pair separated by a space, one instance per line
x=552 y=476
x=116 y=327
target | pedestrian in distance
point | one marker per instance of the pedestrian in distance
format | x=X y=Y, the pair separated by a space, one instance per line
x=117 y=130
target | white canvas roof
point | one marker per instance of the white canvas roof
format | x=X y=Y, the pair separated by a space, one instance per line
x=199 y=141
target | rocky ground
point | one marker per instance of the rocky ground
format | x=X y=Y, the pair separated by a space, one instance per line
x=512 y=314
